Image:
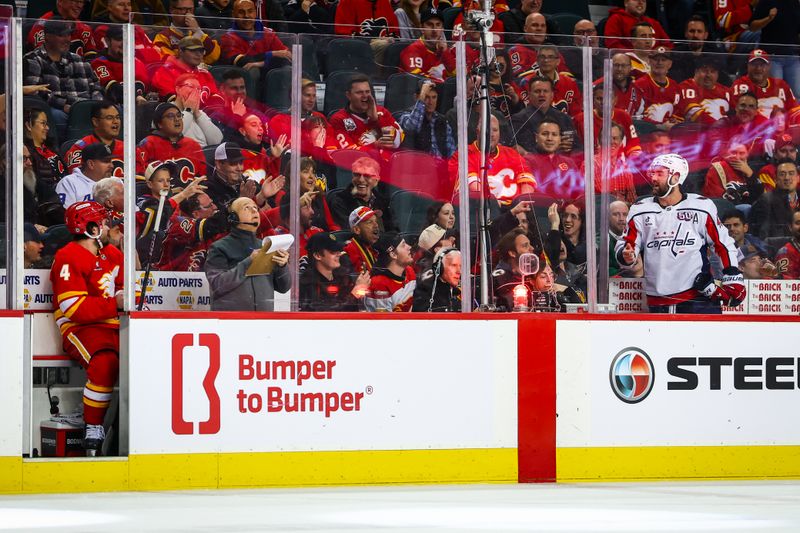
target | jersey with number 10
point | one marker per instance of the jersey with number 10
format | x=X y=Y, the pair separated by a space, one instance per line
x=84 y=287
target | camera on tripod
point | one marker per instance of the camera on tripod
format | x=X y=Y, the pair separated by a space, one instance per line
x=480 y=19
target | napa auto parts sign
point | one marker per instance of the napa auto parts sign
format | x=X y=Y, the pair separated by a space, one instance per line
x=677 y=383
x=201 y=385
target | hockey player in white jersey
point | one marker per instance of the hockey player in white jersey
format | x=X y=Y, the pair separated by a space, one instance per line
x=673 y=231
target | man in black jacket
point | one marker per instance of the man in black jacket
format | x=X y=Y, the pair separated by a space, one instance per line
x=772 y=213
x=325 y=285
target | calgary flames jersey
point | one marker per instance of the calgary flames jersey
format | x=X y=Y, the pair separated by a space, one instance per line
x=421 y=60
x=85 y=286
x=775 y=95
x=391 y=293
x=185 y=153
x=508 y=171
x=703 y=106
x=653 y=102
x=353 y=131
x=74 y=155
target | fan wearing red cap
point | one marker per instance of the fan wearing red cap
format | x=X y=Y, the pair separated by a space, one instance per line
x=773 y=94
x=366 y=231
x=87 y=287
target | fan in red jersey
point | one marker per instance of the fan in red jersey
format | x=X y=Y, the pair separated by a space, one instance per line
x=363 y=124
x=87 y=286
x=392 y=282
x=774 y=94
x=703 y=100
x=657 y=95
x=107 y=123
x=429 y=56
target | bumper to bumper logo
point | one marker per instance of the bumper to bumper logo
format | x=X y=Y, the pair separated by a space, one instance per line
x=181 y=426
x=632 y=375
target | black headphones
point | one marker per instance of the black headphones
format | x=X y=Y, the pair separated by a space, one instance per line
x=233 y=217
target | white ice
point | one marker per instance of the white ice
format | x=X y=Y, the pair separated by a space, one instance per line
x=619 y=507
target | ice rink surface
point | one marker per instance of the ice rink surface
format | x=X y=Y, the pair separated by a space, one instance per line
x=696 y=506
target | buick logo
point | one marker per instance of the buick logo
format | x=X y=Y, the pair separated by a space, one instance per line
x=632 y=375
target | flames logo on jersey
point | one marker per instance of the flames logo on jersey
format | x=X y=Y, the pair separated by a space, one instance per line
x=502 y=184
x=374 y=27
x=107 y=283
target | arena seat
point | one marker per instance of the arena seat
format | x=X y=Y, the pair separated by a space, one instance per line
x=391 y=57
x=410 y=210
x=335 y=85
x=79 y=123
x=343 y=159
x=350 y=55
x=447 y=92
x=578 y=8
x=38 y=8
x=277 y=90
x=400 y=89
x=566 y=21
x=310 y=64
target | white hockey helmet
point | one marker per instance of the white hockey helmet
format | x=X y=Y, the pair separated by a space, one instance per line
x=676 y=164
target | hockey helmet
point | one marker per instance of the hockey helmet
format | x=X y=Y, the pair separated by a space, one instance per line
x=80 y=214
x=675 y=163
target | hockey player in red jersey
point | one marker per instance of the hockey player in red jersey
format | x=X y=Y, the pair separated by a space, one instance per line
x=87 y=287
x=673 y=230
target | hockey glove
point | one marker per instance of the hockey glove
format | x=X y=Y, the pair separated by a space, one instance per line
x=707 y=286
x=733 y=285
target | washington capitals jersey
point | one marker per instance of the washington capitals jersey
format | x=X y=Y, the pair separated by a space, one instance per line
x=654 y=103
x=74 y=156
x=703 y=106
x=85 y=286
x=674 y=242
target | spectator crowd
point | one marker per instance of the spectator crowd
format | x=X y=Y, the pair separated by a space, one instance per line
x=379 y=131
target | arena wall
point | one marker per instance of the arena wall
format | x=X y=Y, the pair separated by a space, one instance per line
x=528 y=398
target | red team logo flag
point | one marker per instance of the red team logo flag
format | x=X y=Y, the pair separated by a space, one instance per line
x=180 y=426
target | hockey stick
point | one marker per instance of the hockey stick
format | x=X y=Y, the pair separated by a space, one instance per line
x=162 y=196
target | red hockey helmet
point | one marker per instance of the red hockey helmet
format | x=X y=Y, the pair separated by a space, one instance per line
x=80 y=214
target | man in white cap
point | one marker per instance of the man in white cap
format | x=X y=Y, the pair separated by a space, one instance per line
x=360 y=252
